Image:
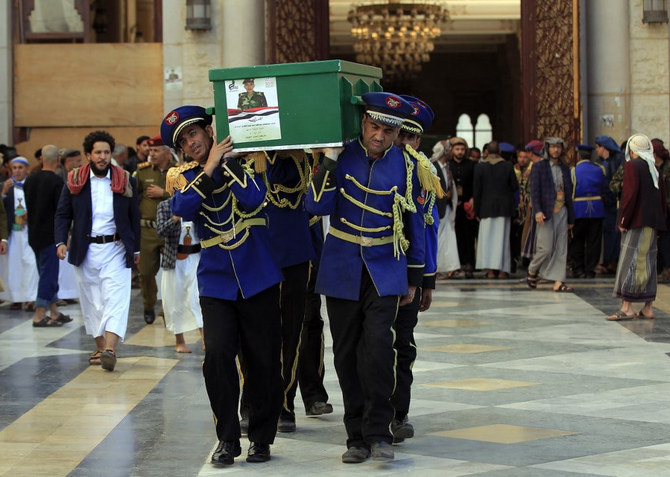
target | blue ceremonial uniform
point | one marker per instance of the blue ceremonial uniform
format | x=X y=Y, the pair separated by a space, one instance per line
x=590 y=183
x=359 y=191
x=243 y=264
x=287 y=215
x=292 y=250
x=239 y=295
x=374 y=249
x=238 y=281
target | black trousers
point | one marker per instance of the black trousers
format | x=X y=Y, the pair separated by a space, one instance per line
x=251 y=326
x=584 y=247
x=466 y=235
x=293 y=296
x=405 y=346
x=310 y=358
x=365 y=361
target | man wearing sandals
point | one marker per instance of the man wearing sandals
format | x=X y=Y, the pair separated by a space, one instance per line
x=99 y=202
x=551 y=196
x=42 y=190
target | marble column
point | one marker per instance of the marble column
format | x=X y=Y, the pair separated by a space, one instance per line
x=608 y=69
x=243 y=32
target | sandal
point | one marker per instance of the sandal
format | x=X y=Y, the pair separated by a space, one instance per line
x=620 y=316
x=94 y=358
x=62 y=318
x=29 y=306
x=641 y=316
x=531 y=280
x=108 y=359
x=47 y=322
x=563 y=288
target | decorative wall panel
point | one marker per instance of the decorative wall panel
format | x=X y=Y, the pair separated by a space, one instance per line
x=550 y=70
x=297 y=30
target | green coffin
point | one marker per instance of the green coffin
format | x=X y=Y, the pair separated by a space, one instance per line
x=291 y=105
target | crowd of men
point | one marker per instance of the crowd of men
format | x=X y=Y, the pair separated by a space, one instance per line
x=246 y=256
x=498 y=184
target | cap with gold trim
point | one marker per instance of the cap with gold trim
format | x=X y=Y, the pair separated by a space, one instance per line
x=387 y=108
x=421 y=118
x=177 y=119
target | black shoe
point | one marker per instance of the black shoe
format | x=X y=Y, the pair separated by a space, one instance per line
x=381 y=451
x=258 y=452
x=355 y=455
x=286 y=424
x=149 y=316
x=401 y=430
x=226 y=452
x=318 y=408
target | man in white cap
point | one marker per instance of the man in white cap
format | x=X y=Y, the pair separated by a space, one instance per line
x=22 y=288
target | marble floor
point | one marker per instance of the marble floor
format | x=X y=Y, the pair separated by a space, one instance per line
x=508 y=382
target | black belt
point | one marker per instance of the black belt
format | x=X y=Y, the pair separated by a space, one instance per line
x=195 y=248
x=104 y=238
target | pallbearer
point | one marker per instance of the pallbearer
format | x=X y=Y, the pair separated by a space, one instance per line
x=237 y=279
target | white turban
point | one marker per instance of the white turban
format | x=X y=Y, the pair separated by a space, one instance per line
x=642 y=147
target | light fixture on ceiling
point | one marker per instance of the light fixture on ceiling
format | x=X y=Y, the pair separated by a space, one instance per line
x=396 y=36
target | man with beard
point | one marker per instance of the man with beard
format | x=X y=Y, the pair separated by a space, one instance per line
x=238 y=280
x=100 y=205
x=463 y=172
x=551 y=194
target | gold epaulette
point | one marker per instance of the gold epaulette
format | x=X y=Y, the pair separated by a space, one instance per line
x=175 y=180
x=143 y=165
x=428 y=180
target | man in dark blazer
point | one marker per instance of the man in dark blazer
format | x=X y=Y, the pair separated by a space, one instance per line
x=551 y=195
x=99 y=203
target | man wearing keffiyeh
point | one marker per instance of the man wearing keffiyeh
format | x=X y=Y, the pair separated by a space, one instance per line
x=99 y=204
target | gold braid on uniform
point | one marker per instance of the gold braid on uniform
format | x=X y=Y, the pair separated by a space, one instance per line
x=175 y=180
x=298 y=156
x=400 y=204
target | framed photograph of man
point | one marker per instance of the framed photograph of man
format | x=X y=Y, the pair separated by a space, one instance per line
x=253 y=109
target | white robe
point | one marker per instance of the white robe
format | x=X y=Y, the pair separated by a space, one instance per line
x=67 y=282
x=447 y=250
x=179 y=287
x=18 y=268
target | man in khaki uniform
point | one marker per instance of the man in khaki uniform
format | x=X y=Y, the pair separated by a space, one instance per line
x=151 y=190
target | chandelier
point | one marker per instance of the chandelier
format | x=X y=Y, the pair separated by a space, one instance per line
x=397 y=36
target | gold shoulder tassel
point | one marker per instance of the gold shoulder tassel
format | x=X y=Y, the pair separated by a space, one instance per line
x=428 y=180
x=259 y=158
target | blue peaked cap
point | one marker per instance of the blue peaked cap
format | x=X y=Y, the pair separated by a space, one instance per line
x=608 y=143
x=585 y=147
x=507 y=148
x=177 y=119
x=421 y=118
x=387 y=108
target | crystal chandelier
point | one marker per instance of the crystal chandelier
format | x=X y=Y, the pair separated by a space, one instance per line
x=397 y=36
